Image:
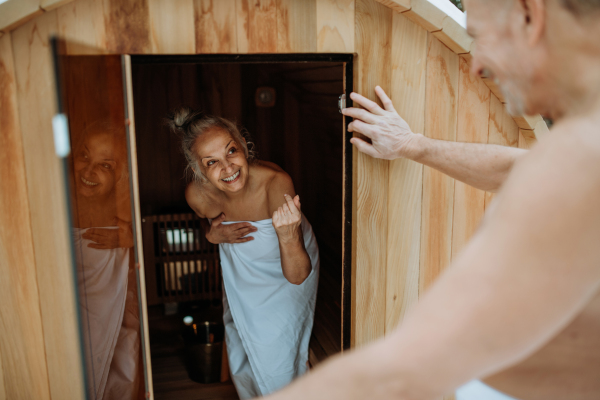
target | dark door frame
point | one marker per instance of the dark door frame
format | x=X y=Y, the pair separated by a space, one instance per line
x=348 y=60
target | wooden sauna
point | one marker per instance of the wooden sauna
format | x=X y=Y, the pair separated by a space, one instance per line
x=406 y=221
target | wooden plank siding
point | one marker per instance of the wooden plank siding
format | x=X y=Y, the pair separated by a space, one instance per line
x=438 y=189
x=47 y=206
x=472 y=126
x=24 y=371
x=370 y=191
x=409 y=61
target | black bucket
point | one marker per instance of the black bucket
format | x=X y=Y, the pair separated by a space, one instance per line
x=204 y=350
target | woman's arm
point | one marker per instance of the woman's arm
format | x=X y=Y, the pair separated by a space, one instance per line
x=287 y=220
x=483 y=166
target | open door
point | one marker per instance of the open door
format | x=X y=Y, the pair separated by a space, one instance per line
x=94 y=134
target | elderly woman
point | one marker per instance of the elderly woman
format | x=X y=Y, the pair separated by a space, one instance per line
x=269 y=278
x=106 y=283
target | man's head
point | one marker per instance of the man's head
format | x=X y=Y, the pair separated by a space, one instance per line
x=544 y=54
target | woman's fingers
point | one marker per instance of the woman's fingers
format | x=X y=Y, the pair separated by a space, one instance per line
x=242 y=240
x=297 y=202
x=289 y=202
x=240 y=225
x=218 y=220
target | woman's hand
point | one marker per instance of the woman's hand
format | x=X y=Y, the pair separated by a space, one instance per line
x=287 y=220
x=230 y=233
x=111 y=238
x=390 y=135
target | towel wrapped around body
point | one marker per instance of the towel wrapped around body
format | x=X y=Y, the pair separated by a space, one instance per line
x=268 y=320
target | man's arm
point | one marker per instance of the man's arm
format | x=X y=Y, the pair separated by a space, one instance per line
x=529 y=270
x=483 y=166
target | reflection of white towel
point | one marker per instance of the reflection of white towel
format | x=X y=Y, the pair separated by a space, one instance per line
x=477 y=390
x=267 y=319
x=102 y=284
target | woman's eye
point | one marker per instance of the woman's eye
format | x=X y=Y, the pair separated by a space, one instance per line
x=107 y=166
x=232 y=150
x=211 y=162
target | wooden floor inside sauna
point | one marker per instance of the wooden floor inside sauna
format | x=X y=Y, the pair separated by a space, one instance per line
x=170 y=378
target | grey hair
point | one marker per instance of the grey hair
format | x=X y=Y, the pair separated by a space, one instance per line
x=190 y=124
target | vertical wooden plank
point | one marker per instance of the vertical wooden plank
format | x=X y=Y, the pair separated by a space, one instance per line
x=138 y=220
x=256 y=24
x=370 y=184
x=473 y=122
x=47 y=200
x=25 y=373
x=81 y=24
x=502 y=131
x=438 y=189
x=335 y=26
x=172 y=26
x=296 y=26
x=16 y=12
x=409 y=60
x=127 y=25
x=214 y=24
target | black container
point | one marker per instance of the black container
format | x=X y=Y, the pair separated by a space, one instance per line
x=204 y=349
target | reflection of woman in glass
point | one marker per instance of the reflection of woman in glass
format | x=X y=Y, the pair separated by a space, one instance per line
x=270 y=278
x=103 y=238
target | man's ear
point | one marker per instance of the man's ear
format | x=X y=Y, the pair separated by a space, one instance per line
x=534 y=12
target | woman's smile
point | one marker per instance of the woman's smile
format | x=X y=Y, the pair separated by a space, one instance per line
x=88 y=183
x=232 y=178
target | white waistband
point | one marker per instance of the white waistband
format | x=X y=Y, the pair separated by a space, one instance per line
x=477 y=390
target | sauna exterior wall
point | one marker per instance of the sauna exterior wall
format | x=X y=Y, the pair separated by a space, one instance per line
x=409 y=220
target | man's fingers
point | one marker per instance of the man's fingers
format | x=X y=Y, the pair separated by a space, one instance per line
x=359 y=113
x=385 y=100
x=361 y=127
x=364 y=147
x=366 y=103
x=218 y=220
x=240 y=225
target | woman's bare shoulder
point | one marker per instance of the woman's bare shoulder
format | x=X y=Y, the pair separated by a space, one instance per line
x=277 y=183
x=201 y=199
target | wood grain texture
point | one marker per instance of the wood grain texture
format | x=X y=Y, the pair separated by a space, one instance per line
x=426 y=14
x=296 y=26
x=14 y=13
x=473 y=123
x=172 y=26
x=256 y=24
x=373 y=25
x=441 y=100
x=47 y=200
x=49 y=5
x=24 y=370
x=397 y=5
x=502 y=131
x=335 y=26
x=454 y=36
x=137 y=218
x=409 y=60
x=215 y=26
x=127 y=24
x=81 y=24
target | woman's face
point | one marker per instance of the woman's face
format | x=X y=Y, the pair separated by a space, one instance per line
x=222 y=160
x=97 y=164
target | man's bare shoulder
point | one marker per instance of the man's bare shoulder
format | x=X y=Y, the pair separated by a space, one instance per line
x=201 y=199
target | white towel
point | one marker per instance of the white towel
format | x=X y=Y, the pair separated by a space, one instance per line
x=102 y=285
x=268 y=320
x=477 y=390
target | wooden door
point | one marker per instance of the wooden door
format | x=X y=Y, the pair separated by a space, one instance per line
x=95 y=136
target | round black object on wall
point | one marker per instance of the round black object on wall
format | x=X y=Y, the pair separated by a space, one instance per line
x=265 y=96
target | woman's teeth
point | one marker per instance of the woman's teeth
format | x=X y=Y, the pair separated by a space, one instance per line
x=232 y=177
x=88 y=182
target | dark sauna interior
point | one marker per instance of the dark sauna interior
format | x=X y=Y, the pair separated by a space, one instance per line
x=290 y=110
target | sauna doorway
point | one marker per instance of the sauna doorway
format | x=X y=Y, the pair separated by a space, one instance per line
x=289 y=105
